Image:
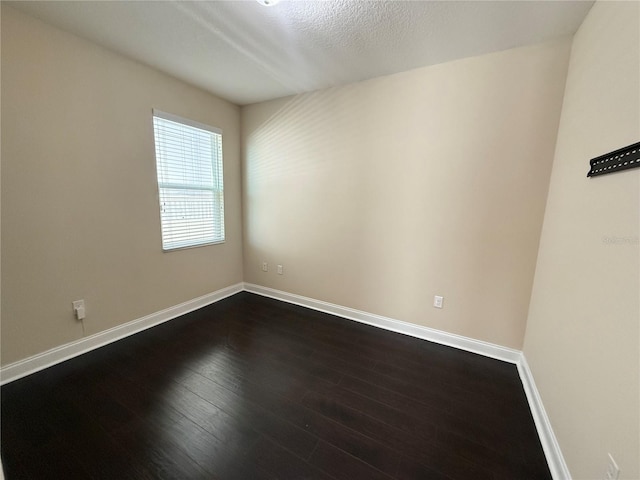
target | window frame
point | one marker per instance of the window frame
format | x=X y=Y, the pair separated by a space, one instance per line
x=217 y=181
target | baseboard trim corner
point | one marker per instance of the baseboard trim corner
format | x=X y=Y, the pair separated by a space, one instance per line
x=555 y=460
x=553 y=453
x=425 y=333
x=35 y=363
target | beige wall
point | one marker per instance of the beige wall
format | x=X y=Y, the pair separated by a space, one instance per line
x=375 y=195
x=79 y=197
x=379 y=195
x=582 y=339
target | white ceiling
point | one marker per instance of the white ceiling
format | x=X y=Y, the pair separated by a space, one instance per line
x=246 y=52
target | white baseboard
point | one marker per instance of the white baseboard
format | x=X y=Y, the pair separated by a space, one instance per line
x=555 y=459
x=437 y=336
x=552 y=451
x=557 y=465
x=38 y=362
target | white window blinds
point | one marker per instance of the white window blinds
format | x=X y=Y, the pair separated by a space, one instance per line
x=190 y=184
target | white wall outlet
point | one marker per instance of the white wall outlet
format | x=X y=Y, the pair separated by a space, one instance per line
x=437 y=301
x=613 y=472
x=78 y=309
x=280 y=270
x=265 y=267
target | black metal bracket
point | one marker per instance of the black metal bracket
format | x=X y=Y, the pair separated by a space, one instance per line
x=623 y=159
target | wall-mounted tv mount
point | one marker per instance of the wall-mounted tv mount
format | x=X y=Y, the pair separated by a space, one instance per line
x=623 y=159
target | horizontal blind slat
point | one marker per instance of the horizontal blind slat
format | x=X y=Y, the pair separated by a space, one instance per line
x=190 y=184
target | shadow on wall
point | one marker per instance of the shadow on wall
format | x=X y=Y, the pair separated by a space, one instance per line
x=299 y=169
x=379 y=195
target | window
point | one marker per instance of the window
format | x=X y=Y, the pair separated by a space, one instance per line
x=189 y=165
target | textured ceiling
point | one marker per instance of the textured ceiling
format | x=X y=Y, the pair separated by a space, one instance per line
x=246 y=52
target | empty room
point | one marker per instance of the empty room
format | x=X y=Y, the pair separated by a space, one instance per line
x=341 y=239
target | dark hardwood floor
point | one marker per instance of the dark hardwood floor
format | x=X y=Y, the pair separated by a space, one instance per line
x=253 y=388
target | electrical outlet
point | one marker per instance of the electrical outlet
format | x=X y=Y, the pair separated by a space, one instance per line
x=79 y=309
x=265 y=267
x=613 y=472
x=280 y=270
x=437 y=301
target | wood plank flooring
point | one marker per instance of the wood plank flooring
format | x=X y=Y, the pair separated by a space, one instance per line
x=253 y=388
